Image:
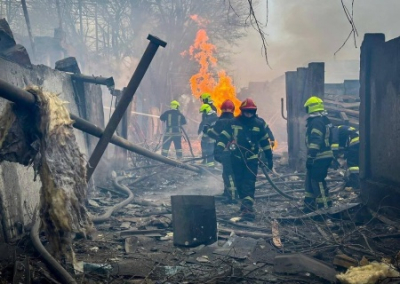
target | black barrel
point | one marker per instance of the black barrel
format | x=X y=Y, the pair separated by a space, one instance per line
x=194 y=220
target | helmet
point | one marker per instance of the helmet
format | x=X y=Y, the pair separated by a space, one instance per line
x=175 y=104
x=205 y=108
x=248 y=104
x=205 y=97
x=227 y=106
x=314 y=104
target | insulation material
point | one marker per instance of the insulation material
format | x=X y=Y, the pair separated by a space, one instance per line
x=44 y=137
x=368 y=274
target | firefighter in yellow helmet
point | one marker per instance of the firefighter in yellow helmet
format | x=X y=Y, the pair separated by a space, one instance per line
x=174 y=120
x=209 y=117
x=206 y=99
x=319 y=155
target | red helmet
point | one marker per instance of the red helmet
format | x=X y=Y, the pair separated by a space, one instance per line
x=248 y=104
x=228 y=106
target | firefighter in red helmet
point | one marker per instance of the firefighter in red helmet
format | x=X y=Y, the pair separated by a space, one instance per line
x=213 y=131
x=245 y=137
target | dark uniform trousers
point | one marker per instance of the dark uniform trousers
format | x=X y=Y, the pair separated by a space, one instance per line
x=207 y=147
x=167 y=140
x=317 y=193
x=230 y=190
x=352 y=157
x=245 y=172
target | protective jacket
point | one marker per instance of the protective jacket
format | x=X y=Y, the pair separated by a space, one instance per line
x=269 y=131
x=344 y=136
x=173 y=119
x=222 y=123
x=207 y=119
x=318 y=138
x=249 y=135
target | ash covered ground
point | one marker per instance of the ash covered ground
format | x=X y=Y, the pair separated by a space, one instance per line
x=136 y=244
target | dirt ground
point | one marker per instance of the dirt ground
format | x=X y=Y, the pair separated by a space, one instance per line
x=136 y=244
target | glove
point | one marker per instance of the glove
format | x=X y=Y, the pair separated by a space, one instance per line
x=205 y=128
x=309 y=162
x=272 y=143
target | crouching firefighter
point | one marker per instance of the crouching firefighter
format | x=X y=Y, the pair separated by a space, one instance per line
x=213 y=131
x=245 y=137
x=319 y=155
x=174 y=120
x=207 y=143
x=346 y=140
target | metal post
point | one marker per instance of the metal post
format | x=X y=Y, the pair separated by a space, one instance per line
x=28 y=25
x=124 y=103
x=26 y=99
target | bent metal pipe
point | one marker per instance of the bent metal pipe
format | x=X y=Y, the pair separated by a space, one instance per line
x=26 y=99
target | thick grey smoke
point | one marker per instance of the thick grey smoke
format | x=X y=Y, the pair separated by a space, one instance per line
x=301 y=31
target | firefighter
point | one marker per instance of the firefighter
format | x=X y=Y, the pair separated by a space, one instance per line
x=209 y=116
x=346 y=139
x=213 y=131
x=206 y=99
x=245 y=137
x=319 y=155
x=174 y=120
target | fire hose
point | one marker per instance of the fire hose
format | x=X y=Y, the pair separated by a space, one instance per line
x=53 y=264
x=188 y=140
x=264 y=170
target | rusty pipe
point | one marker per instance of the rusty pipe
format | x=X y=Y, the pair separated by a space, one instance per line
x=123 y=103
x=282 y=113
x=26 y=99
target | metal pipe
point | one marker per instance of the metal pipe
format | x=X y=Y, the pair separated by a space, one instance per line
x=124 y=102
x=282 y=113
x=24 y=98
x=98 y=80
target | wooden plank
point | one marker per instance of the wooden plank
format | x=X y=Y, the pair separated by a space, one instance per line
x=343 y=104
x=276 y=239
x=344 y=117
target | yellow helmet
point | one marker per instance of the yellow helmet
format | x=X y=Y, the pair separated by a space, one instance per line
x=314 y=104
x=175 y=104
x=205 y=97
x=205 y=108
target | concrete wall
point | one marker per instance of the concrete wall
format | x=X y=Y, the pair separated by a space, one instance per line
x=380 y=121
x=300 y=85
x=18 y=193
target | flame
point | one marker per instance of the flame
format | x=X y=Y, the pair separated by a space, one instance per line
x=219 y=85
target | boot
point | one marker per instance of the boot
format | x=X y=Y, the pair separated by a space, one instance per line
x=247 y=211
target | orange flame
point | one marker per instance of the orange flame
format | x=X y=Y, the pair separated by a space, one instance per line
x=218 y=85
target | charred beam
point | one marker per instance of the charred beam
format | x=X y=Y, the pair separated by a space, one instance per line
x=124 y=102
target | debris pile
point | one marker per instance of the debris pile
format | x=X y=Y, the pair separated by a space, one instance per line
x=43 y=136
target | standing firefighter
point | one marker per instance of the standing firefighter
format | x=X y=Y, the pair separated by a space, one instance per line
x=245 y=137
x=346 y=138
x=319 y=155
x=209 y=116
x=173 y=119
x=206 y=99
x=213 y=131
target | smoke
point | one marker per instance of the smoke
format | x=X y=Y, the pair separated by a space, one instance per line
x=302 y=31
